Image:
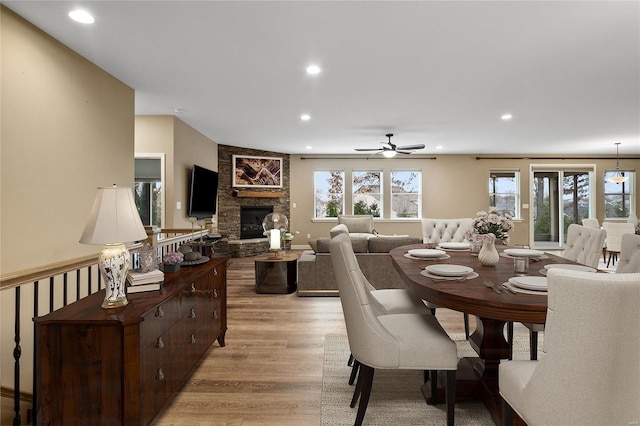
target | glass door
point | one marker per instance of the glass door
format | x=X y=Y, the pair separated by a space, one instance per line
x=560 y=198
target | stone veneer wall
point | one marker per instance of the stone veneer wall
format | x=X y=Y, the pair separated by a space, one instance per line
x=229 y=204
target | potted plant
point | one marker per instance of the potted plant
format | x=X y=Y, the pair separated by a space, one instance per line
x=171 y=261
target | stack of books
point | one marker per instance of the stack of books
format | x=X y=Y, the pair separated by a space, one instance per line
x=147 y=281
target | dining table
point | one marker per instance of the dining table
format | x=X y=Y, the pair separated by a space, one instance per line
x=477 y=377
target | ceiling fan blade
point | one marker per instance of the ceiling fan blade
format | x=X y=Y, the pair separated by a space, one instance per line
x=403 y=152
x=419 y=146
x=369 y=149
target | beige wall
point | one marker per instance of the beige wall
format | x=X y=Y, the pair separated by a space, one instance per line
x=67 y=127
x=452 y=186
x=183 y=146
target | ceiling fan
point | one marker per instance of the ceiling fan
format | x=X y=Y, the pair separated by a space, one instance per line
x=390 y=150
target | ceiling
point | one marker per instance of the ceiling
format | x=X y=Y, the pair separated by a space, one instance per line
x=431 y=72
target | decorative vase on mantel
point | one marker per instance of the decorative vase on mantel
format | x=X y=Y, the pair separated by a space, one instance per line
x=488 y=255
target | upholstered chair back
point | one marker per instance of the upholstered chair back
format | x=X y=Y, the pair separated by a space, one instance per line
x=584 y=245
x=360 y=224
x=590 y=373
x=369 y=341
x=591 y=223
x=629 y=261
x=615 y=231
x=339 y=229
x=445 y=230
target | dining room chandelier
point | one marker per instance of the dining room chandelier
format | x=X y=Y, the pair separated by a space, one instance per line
x=618 y=177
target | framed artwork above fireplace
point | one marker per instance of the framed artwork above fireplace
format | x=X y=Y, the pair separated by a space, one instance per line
x=257 y=172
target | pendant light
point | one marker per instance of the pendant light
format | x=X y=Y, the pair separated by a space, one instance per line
x=617 y=178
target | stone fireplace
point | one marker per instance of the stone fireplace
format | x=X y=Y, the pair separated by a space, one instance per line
x=232 y=201
x=251 y=218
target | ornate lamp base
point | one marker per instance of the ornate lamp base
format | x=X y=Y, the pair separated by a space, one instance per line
x=114 y=262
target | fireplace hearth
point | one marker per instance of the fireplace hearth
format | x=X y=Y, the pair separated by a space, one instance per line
x=251 y=218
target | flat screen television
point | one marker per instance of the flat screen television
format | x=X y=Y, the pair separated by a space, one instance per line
x=204 y=193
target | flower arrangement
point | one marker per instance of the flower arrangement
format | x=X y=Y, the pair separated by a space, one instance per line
x=173 y=258
x=491 y=222
x=289 y=235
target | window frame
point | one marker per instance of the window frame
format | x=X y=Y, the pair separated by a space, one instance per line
x=517 y=193
x=392 y=194
x=379 y=194
x=631 y=193
x=316 y=195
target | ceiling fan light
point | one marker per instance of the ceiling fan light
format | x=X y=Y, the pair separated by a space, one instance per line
x=389 y=154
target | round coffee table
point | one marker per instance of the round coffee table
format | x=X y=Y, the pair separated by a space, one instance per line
x=277 y=274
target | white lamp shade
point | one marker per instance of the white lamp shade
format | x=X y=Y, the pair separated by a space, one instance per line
x=114 y=218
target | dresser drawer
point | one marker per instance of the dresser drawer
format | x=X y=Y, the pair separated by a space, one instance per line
x=158 y=320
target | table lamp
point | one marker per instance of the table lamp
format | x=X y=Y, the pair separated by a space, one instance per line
x=274 y=225
x=114 y=220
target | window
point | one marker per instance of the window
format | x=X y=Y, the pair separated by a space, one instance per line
x=367 y=195
x=618 y=197
x=329 y=193
x=406 y=194
x=147 y=190
x=504 y=192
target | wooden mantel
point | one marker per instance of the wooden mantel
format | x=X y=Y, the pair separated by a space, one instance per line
x=258 y=194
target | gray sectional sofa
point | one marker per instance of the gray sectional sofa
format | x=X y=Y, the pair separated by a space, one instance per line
x=315 y=271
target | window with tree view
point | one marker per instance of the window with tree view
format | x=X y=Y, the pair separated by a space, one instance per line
x=618 y=197
x=147 y=190
x=329 y=193
x=504 y=192
x=406 y=194
x=367 y=195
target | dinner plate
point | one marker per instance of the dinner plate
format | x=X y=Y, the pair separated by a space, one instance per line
x=427 y=253
x=530 y=283
x=516 y=252
x=571 y=267
x=449 y=270
x=455 y=245
x=516 y=289
x=435 y=277
x=444 y=256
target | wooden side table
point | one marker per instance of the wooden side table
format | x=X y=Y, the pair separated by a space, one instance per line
x=277 y=274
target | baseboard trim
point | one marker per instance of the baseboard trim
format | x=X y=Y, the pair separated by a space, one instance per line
x=307 y=293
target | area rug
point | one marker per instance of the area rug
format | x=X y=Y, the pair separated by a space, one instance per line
x=395 y=398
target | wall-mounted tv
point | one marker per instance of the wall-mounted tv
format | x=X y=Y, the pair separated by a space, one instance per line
x=204 y=193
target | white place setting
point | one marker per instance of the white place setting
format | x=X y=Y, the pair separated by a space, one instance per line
x=457 y=246
x=528 y=285
x=523 y=252
x=569 y=266
x=449 y=272
x=426 y=254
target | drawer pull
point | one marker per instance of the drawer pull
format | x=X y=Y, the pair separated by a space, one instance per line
x=192 y=313
x=215 y=315
x=160 y=375
x=193 y=288
x=159 y=343
x=215 y=272
x=192 y=339
x=215 y=292
x=159 y=312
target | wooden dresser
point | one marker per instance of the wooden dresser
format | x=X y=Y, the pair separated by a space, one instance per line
x=120 y=366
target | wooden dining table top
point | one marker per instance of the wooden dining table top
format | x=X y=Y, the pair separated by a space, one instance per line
x=472 y=296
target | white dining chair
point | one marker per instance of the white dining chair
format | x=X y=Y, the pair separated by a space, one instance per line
x=446 y=230
x=615 y=231
x=583 y=246
x=395 y=341
x=629 y=261
x=592 y=328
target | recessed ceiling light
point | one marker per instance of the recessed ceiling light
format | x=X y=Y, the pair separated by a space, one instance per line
x=439 y=147
x=305 y=117
x=81 y=16
x=313 y=69
x=506 y=116
x=309 y=147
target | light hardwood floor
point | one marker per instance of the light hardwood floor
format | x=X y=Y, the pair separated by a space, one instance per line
x=270 y=371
